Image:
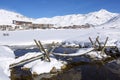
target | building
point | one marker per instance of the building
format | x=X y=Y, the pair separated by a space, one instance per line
x=30 y=25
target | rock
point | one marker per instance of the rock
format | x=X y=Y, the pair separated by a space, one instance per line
x=34 y=74
x=53 y=70
x=63 y=67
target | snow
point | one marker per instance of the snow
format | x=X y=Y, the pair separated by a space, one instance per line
x=95 y=18
x=6 y=17
x=110 y=28
x=6 y=58
x=26 y=37
x=112 y=23
x=40 y=67
x=37 y=66
x=26 y=56
x=73 y=36
x=79 y=53
x=97 y=55
x=6 y=52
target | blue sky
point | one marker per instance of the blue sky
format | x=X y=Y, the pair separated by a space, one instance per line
x=50 y=8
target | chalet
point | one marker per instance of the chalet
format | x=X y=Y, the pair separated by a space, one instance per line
x=22 y=23
x=30 y=25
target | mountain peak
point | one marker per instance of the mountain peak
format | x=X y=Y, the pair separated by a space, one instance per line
x=103 y=10
x=94 y=18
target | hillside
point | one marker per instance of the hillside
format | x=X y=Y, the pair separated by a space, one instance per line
x=6 y=17
x=94 y=18
x=112 y=23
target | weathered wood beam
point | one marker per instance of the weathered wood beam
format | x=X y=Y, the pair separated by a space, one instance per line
x=99 y=44
x=104 y=46
x=36 y=43
x=25 y=61
x=41 y=48
x=45 y=52
x=91 y=41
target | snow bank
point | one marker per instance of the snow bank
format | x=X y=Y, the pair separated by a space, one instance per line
x=78 y=53
x=40 y=67
x=6 y=58
x=6 y=52
x=3 y=76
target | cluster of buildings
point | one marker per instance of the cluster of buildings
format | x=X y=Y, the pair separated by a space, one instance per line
x=24 y=25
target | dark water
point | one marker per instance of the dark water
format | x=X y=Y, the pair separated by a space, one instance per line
x=80 y=71
x=66 y=50
x=21 y=52
x=89 y=72
x=18 y=74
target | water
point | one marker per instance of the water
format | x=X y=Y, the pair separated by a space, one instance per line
x=21 y=52
x=18 y=74
x=89 y=72
x=77 y=71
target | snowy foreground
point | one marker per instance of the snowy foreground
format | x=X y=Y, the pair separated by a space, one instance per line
x=7 y=57
x=69 y=37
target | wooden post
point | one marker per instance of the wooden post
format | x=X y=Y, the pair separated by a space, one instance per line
x=102 y=51
x=91 y=41
x=99 y=44
x=36 y=43
x=94 y=45
x=39 y=45
x=45 y=52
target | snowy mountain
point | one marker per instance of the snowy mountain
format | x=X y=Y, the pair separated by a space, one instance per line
x=94 y=18
x=6 y=17
x=112 y=23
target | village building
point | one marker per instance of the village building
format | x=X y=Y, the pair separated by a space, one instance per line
x=6 y=27
x=30 y=25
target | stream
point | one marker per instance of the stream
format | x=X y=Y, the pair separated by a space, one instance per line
x=79 y=71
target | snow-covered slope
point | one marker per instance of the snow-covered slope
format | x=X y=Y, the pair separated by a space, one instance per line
x=112 y=23
x=6 y=17
x=99 y=17
x=94 y=18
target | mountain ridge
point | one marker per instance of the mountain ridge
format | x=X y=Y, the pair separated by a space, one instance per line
x=80 y=19
x=95 y=18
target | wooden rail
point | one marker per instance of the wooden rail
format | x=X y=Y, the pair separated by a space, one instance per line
x=45 y=55
x=26 y=61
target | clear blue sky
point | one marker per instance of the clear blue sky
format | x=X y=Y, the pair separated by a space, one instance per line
x=50 y=8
